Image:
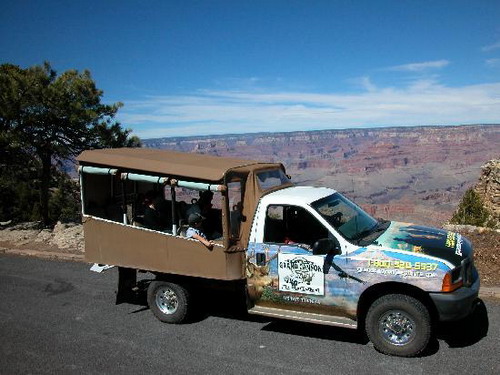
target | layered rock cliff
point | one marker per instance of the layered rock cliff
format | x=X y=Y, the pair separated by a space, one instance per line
x=488 y=187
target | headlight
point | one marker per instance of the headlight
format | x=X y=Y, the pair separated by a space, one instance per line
x=452 y=280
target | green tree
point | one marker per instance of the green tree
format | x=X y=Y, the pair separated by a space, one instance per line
x=471 y=210
x=114 y=136
x=46 y=118
x=64 y=202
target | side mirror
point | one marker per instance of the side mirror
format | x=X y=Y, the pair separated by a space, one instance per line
x=330 y=247
x=326 y=246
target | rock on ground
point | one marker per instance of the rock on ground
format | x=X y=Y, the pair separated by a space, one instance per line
x=488 y=187
x=66 y=238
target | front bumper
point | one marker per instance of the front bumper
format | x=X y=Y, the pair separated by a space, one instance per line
x=456 y=305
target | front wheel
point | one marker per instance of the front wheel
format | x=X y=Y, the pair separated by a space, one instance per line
x=168 y=301
x=398 y=325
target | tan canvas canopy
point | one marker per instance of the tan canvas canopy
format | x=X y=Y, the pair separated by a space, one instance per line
x=166 y=162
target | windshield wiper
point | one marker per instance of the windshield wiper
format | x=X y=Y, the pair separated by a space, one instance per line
x=381 y=226
x=363 y=234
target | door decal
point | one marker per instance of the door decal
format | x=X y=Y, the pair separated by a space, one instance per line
x=301 y=274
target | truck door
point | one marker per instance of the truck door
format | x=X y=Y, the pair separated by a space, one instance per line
x=282 y=271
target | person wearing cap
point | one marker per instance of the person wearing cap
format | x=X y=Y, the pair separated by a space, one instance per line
x=194 y=231
x=202 y=205
x=212 y=220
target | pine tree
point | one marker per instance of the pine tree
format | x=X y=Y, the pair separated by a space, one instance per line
x=471 y=211
x=46 y=118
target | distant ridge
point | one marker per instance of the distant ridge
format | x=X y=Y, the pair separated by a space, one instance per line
x=148 y=141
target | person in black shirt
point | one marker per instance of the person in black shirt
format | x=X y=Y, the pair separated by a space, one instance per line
x=157 y=213
x=151 y=214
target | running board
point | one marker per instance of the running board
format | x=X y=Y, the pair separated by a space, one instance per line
x=337 y=321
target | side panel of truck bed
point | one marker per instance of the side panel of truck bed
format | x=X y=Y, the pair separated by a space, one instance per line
x=113 y=243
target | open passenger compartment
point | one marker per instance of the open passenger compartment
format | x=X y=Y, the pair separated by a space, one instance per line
x=118 y=186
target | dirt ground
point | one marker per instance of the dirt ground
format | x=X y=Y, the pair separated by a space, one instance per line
x=68 y=239
x=64 y=238
x=486 y=254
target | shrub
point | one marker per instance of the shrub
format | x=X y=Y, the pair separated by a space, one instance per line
x=64 y=201
x=471 y=211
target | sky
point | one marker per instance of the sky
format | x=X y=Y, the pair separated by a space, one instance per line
x=185 y=67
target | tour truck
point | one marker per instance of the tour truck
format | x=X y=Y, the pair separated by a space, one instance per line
x=294 y=252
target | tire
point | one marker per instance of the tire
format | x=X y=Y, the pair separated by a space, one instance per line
x=398 y=325
x=168 y=301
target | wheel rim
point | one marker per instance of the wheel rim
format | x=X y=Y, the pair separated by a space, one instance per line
x=397 y=327
x=166 y=300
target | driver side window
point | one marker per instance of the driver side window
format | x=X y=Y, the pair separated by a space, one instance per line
x=292 y=225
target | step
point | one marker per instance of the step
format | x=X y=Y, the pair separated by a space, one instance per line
x=337 y=321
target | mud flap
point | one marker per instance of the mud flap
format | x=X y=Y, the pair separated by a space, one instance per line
x=127 y=283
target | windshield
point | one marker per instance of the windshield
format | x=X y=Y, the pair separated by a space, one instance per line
x=346 y=217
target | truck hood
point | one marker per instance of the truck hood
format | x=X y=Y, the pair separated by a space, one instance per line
x=435 y=242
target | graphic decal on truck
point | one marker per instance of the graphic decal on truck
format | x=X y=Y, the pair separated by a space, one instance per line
x=440 y=243
x=411 y=267
x=298 y=274
x=292 y=275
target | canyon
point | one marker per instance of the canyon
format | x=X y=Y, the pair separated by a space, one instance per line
x=416 y=174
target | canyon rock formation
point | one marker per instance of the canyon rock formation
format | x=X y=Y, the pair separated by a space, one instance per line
x=414 y=174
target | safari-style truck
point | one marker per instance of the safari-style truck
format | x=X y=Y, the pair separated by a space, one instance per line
x=296 y=252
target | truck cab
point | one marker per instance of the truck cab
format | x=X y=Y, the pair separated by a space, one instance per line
x=316 y=256
x=300 y=253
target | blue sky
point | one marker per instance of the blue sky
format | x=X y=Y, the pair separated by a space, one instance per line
x=214 y=67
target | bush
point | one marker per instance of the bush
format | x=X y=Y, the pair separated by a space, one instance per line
x=64 y=201
x=471 y=211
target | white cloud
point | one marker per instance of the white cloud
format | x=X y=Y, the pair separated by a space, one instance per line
x=492 y=62
x=420 y=66
x=363 y=82
x=424 y=102
x=491 y=47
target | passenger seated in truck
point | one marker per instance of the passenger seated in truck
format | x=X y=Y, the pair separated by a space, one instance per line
x=195 y=221
x=156 y=212
x=202 y=205
x=236 y=217
x=212 y=226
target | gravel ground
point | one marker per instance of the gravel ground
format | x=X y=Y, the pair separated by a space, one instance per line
x=486 y=252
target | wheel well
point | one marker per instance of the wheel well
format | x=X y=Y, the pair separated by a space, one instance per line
x=376 y=291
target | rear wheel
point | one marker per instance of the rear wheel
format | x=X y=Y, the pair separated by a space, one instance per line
x=168 y=301
x=398 y=325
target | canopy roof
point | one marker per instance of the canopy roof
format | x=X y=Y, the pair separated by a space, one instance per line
x=166 y=162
